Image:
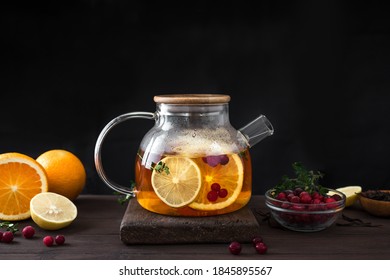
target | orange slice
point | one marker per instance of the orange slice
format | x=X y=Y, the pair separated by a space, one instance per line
x=229 y=177
x=21 y=178
x=181 y=186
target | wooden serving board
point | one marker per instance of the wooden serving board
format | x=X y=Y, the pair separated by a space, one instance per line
x=140 y=226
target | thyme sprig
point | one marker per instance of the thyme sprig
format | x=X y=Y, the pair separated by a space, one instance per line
x=158 y=167
x=123 y=198
x=305 y=179
x=9 y=226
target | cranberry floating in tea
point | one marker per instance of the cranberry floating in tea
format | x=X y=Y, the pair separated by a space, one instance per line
x=192 y=162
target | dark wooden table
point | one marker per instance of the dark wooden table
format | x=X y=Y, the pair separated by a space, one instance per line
x=95 y=235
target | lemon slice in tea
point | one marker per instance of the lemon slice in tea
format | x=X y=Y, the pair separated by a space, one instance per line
x=52 y=211
x=181 y=186
x=229 y=176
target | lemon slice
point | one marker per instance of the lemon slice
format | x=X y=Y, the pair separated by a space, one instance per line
x=229 y=176
x=181 y=186
x=351 y=192
x=52 y=211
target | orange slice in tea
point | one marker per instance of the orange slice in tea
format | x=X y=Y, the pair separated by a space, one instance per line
x=21 y=178
x=181 y=186
x=229 y=177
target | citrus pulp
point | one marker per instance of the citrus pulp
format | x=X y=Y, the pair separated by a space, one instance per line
x=21 y=178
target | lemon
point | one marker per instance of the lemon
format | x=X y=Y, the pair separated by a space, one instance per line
x=351 y=193
x=65 y=172
x=181 y=186
x=229 y=176
x=52 y=211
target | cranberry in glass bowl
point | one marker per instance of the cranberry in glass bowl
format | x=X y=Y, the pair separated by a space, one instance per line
x=305 y=212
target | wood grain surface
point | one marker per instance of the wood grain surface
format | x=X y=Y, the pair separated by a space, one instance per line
x=95 y=234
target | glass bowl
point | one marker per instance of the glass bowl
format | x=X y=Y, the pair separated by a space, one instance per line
x=305 y=217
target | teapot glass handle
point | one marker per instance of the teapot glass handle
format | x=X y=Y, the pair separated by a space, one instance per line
x=99 y=143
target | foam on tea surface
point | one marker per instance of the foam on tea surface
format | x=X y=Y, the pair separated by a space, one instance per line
x=195 y=143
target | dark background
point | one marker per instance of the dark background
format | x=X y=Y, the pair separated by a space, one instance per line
x=318 y=70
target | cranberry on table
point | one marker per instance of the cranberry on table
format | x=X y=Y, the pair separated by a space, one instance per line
x=28 y=232
x=261 y=248
x=235 y=248
x=256 y=240
x=1 y=235
x=59 y=239
x=48 y=241
x=7 y=237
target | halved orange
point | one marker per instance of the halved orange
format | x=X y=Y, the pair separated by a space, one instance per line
x=229 y=176
x=21 y=178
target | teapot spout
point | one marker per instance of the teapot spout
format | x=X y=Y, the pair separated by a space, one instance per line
x=256 y=130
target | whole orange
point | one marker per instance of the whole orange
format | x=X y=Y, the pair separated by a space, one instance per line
x=65 y=172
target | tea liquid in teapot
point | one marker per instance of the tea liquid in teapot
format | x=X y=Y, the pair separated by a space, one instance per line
x=192 y=162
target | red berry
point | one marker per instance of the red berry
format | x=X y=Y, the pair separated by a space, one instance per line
x=298 y=190
x=285 y=205
x=213 y=161
x=261 y=248
x=295 y=199
x=290 y=196
x=212 y=196
x=1 y=235
x=306 y=198
x=8 y=236
x=223 y=159
x=316 y=201
x=329 y=200
x=298 y=207
x=215 y=187
x=223 y=193
x=303 y=194
x=60 y=239
x=256 y=240
x=281 y=196
x=28 y=232
x=48 y=241
x=315 y=195
x=336 y=197
x=235 y=248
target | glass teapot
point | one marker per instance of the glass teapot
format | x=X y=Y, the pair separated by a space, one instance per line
x=192 y=162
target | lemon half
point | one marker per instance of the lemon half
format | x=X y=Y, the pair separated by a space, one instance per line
x=351 y=193
x=52 y=211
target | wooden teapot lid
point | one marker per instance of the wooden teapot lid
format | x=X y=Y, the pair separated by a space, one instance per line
x=192 y=99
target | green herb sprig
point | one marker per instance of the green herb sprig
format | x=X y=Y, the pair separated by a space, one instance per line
x=307 y=180
x=9 y=226
x=160 y=167
x=123 y=198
